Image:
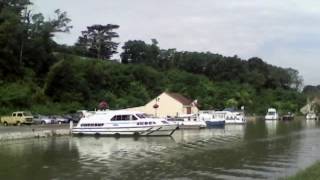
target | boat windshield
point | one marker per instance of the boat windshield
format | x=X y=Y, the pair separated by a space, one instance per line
x=175 y=119
x=141 y=116
x=271 y=113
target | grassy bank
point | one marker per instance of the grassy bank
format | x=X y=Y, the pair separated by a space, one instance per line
x=311 y=173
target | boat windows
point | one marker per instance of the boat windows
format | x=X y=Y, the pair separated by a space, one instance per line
x=164 y=122
x=91 y=124
x=175 y=119
x=141 y=116
x=271 y=113
x=145 y=123
x=123 y=118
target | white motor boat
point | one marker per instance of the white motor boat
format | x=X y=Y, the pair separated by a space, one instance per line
x=234 y=117
x=211 y=119
x=271 y=114
x=119 y=122
x=229 y=117
x=188 y=121
x=311 y=116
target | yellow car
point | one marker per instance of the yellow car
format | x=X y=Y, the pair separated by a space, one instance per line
x=17 y=118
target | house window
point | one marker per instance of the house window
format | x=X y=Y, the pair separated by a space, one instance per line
x=188 y=110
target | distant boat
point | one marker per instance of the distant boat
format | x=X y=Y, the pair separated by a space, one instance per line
x=271 y=114
x=233 y=116
x=119 y=122
x=212 y=119
x=311 y=116
x=188 y=121
x=287 y=117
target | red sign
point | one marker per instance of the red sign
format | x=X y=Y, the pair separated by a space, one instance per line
x=155 y=106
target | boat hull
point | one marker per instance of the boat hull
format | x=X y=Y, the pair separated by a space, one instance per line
x=287 y=118
x=192 y=126
x=235 y=122
x=271 y=119
x=167 y=130
x=215 y=123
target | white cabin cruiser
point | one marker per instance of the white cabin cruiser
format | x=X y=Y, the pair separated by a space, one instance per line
x=311 y=116
x=119 y=122
x=271 y=114
x=211 y=119
x=235 y=117
x=188 y=121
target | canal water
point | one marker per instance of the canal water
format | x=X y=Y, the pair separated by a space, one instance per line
x=257 y=150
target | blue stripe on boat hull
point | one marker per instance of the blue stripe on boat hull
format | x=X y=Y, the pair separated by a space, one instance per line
x=215 y=123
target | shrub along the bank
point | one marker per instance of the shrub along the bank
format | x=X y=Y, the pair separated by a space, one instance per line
x=77 y=83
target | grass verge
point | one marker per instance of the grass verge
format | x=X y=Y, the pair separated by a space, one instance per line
x=311 y=173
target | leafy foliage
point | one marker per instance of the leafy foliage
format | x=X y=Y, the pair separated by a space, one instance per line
x=217 y=67
x=26 y=39
x=32 y=77
x=97 y=42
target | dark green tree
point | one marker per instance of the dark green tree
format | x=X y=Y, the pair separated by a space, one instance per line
x=139 y=52
x=26 y=39
x=97 y=41
x=11 y=32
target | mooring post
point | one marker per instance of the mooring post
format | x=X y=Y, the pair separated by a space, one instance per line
x=71 y=125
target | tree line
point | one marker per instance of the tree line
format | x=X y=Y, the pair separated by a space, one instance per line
x=37 y=73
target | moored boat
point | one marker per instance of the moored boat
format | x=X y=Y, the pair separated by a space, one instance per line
x=119 y=122
x=235 y=117
x=311 y=116
x=271 y=114
x=188 y=121
x=212 y=120
x=287 y=117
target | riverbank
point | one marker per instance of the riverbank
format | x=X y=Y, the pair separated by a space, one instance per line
x=33 y=131
x=311 y=173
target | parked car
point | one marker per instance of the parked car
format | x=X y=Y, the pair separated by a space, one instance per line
x=60 y=120
x=40 y=119
x=17 y=118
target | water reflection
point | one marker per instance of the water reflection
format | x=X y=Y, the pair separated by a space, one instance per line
x=37 y=159
x=257 y=150
x=271 y=126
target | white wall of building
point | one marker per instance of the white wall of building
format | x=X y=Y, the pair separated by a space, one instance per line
x=168 y=106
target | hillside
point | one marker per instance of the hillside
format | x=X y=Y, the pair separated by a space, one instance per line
x=80 y=83
x=40 y=75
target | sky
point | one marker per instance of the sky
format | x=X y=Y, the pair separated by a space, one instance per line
x=284 y=33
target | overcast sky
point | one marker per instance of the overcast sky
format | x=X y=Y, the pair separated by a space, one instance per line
x=285 y=33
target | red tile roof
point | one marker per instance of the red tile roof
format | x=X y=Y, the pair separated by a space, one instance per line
x=183 y=100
